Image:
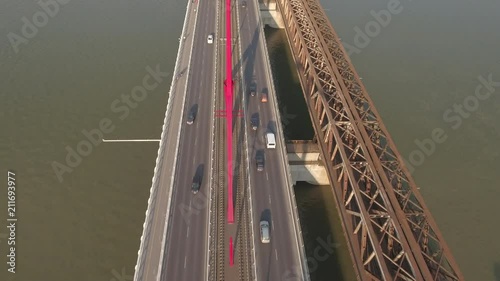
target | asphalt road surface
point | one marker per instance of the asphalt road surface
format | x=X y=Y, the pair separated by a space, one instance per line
x=186 y=248
x=154 y=236
x=270 y=199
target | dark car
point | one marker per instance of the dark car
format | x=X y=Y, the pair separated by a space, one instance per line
x=195 y=187
x=253 y=90
x=190 y=119
x=192 y=114
x=244 y=4
x=259 y=159
x=254 y=122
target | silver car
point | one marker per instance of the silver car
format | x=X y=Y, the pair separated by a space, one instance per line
x=264 y=232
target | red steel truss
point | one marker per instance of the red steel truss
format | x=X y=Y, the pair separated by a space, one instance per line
x=391 y=233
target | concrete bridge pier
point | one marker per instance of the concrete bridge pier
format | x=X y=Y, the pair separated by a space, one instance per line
x=270 y=14
x=304 y=159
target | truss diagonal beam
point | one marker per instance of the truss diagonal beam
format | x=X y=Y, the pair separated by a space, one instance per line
x=391 y=232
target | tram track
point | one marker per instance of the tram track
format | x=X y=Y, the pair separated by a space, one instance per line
x=218 y=212
x=219 y=230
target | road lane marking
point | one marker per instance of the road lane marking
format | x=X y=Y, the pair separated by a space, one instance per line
x=187 y=234
x=276 y=252
x=185 y=262
x=267 y=176
x=270 y=201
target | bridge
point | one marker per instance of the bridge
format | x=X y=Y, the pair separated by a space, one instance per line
x=186 y=236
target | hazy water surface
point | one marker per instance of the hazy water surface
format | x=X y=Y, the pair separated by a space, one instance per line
x=65 y=78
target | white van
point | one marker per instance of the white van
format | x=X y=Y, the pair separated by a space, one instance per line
x=270 y=140
x=264 y=232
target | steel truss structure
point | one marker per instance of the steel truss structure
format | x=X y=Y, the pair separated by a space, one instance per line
x=391 y=233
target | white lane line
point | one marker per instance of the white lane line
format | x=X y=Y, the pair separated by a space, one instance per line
x=270 y=201
x=276 y=252
x=196 y=139
x=267 y=176
x=185 y=262
x=187 y=234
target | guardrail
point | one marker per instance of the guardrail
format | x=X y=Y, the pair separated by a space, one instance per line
x=159 y=162
x=281 y=138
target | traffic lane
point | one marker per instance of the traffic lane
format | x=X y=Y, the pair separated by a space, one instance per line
x=198 y=230
x=153 y=258
x=184 y=253
x=275 y=256
x=190 y=153
x=286 y=248
x=285 y=253
x=175 y=248
x=190 y=242
x=274 y=178
x=272 y=184
x=195 y=151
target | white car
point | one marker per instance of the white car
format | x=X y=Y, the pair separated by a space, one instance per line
x=210 y=39
x=264 y=232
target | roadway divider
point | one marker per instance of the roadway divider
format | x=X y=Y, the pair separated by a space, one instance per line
x=245 y=114
x=159 y=163
x=281 y=139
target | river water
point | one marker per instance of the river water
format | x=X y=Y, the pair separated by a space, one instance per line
x=64 y=77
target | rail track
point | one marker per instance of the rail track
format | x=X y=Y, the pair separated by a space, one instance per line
x=219 y=230
x=218 y=212
x=242 y=237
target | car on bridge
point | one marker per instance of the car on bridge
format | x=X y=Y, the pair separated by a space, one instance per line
x=254 y=121
x=192 y=114
x=210 y=39
x=264 y=232
x=190 y=119
x=244 y=4
x=263 y=97
x=253 y=89
x=195 y=187
x=259 y=160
